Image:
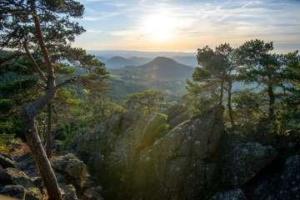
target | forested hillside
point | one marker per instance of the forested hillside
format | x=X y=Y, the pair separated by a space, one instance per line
x=72 y=129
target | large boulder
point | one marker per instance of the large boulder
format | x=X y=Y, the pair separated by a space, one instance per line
x=15 y=176
x=74 y=178
x=6 y=162
x=16 y=191
x=245 y=161
x=181 y=164
x=71 y=170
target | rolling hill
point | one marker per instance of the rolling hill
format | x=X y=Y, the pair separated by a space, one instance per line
x=118 y=62
x=159 y=69
x=161 y=73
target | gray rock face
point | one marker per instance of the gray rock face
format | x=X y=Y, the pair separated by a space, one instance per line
x=245 y=161
x=6 y=162
x=138 y=162
x=236 y=194
x=73 y=172
x=140 y=158
x=283 y=185
x=290 y=179
x=69 y=192
x=15 y=177
x=16 y=191
x=72 y=169
x=177 y=166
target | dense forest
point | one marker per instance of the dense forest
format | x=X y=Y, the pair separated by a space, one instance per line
x=233 y=134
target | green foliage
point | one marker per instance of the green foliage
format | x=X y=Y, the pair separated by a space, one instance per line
x=200 y=97
x=274 y=102
x=146 y=102
x=248 y=109
x=37 y=31
x=16 y=85
x=201 y=74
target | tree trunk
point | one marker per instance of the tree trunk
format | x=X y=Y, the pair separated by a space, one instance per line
x=49 y=137
x=32 y=110
x=221 y=92
x=46 y=172
x=271 y=102
x=229 y=103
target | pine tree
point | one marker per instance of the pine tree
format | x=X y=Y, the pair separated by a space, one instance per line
x=41 y=31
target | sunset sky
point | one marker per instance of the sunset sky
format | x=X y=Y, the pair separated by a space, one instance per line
x=185 y=25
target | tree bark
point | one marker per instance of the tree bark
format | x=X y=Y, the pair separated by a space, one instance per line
x=49 y=137
x=34 y=142
x=221 y=92
x=229 y=94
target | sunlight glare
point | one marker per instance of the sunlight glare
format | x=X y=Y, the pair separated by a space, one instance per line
x=159 y=27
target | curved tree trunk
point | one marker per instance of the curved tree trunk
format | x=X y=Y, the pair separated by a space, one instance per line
x=34 y=108
x=34 y=142
x=49 y=137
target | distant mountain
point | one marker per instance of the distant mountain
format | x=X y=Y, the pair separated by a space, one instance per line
x=165 y=69
x=161 y=73
x=118 y=62
x=187 y=58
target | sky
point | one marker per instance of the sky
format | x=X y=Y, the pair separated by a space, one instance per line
x=185 y=25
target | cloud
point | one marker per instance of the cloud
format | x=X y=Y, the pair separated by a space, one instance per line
x=196 y=20
x=94 y=31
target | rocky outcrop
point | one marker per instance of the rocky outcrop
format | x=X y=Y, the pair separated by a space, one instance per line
x=245 y=161
x=290 y=179
x=72 y=174
x=18 y=177
x=282 y=185
x=75 y=179
x=5 y=161
x=181 y=165
x=149 y=158
x=140 y=157
x=16 y=191
x=71 y=170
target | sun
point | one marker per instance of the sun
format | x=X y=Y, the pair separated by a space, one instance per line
x=160 y=27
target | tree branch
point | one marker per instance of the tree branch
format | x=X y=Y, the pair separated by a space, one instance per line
x=71 y=80
x=40 y=38
x=35 y=65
